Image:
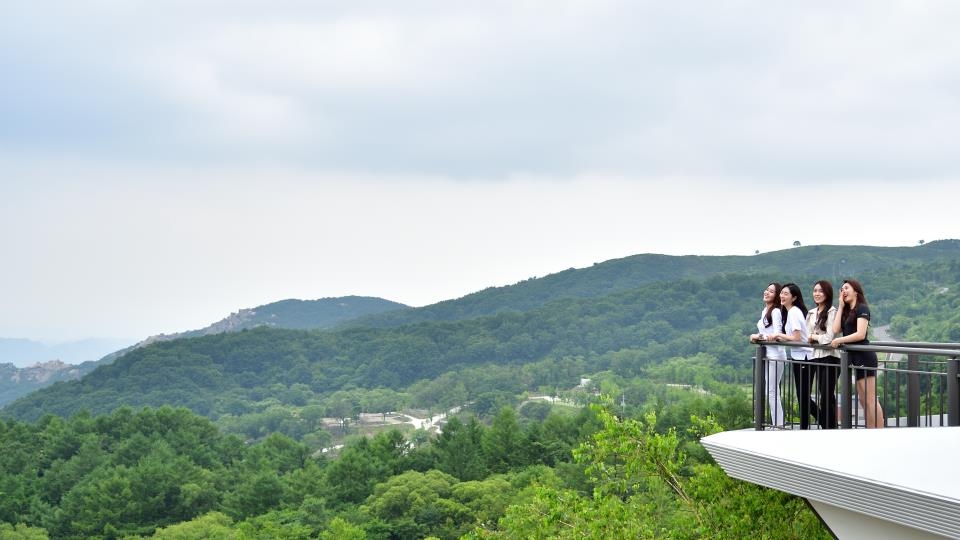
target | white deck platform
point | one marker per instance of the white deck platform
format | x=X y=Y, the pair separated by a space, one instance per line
x=864 y=483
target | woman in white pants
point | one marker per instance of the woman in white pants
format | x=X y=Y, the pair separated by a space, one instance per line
x=795 y=329
x=769 y=325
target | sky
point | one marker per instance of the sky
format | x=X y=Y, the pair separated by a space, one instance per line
x=164 y=164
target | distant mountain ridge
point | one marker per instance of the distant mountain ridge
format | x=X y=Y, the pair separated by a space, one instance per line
x=17 y=381
x=616 y=275
x=292 y=314
x=27 y=352
x=685 y=304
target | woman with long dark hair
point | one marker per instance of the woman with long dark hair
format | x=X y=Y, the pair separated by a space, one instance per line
x=853 y=319
x=769 y=325
x=795 y=329
x=820 y=329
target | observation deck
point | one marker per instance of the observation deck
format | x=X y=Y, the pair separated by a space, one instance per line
x=863 y=483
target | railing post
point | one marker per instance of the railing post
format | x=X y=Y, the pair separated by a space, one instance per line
x=913 y=391
x=953 y=392
x=846 y=390
x=759 y=388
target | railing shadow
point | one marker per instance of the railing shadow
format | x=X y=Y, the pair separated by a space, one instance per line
x=917 y=385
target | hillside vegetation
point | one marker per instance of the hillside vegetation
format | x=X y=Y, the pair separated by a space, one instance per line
x=219 y=436
x=323 y=313
x=246 y=378
x=166 y=474
x=602 y=279
x=301 y=314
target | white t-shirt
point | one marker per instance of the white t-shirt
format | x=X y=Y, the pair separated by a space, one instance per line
x=773 y=351
x=796 y=321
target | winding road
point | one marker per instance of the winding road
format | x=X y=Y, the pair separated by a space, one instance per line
x=882 y=333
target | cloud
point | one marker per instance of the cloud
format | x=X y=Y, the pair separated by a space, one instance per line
x=174 y=161
x=745 y=89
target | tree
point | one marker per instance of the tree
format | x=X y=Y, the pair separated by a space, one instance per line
x=796 y=243
x=350 y=479
x=21 y=532
x=921 y=242
x=256 y=494
x=503 y=443
x=419 y=504
x=487 y=499
x=390 y=449
x=276 y=525
x=459 y=450
x=214 y=526
x=341 y=529
x=280 y=453
x=163 y=488
x=643 y=488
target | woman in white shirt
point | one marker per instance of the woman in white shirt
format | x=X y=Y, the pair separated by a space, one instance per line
x=820 y=329
x=769 y=325
x=795 y=329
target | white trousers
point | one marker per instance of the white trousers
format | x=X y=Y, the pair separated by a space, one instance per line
x=774 y=374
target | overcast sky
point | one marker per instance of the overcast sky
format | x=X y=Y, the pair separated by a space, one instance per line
x=163 y=164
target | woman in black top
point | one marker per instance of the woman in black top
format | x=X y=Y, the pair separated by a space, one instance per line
x=853 y=317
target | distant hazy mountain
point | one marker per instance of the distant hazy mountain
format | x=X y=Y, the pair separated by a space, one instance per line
x=27 y=365
x=292 y=314
x=26 y=352
x=16 y=381
x=624 y=315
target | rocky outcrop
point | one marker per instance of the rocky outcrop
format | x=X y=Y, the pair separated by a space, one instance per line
x=40 y=372
x=233 y=323
x=16 y=382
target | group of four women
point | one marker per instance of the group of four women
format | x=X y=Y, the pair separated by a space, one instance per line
x=785 y=317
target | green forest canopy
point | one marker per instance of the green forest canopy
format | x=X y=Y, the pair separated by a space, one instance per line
x=264 y=380
x=118 y=459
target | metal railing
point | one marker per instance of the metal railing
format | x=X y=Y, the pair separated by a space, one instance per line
x=918 y=384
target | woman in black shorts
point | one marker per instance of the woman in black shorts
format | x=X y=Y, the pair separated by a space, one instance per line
x=853 y=317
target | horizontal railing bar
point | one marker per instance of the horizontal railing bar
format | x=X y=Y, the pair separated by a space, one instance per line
x=937 y=376
x=928 y=363
x=815 y=363
x=912 y=372
x=921 y=364
x=918 y=344
x=818 y=362
x=950 y=353
x=875 y=348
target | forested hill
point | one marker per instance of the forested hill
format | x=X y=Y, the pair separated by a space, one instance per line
x=674 y=352
x=312 y=314
x=229 y=373
x=292 y=314
x=601 y=279
x=300 y=314
x=685 y=326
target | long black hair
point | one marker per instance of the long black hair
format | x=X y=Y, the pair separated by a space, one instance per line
x=768 y=314
x=827 y=288
x=795 y=291
x=848 y=313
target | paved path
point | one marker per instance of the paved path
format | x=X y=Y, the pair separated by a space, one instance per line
x=882 y=333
